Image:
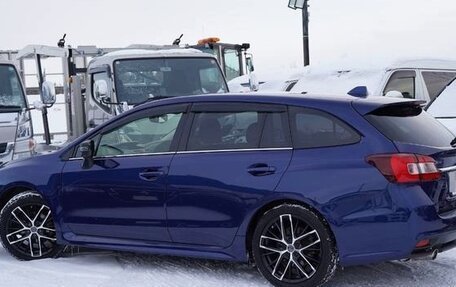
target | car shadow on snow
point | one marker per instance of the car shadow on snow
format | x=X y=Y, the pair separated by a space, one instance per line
x=198 y=272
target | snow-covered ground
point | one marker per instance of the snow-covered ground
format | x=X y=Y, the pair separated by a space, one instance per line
x=106 y=269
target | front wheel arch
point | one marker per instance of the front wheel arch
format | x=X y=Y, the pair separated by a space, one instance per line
x=11 y=192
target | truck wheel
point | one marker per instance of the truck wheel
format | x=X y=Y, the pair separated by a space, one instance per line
x=27 y=228
x=293 y=247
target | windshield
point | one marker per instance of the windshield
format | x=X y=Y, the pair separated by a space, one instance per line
x=444 y=105
x=139 y=80
x=11 y=93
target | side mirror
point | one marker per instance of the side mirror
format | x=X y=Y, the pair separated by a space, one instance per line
x=87 y=150
x=48 y=93
x=100 y=91
x=394 y=94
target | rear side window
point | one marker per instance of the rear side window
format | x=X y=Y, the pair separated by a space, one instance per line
x=221 y=131
x=410 y=124
x=314 y=129
x=238 y=130
x=276 y=131
x=437 y=81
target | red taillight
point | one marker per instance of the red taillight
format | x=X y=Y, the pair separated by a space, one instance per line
x=406 y=168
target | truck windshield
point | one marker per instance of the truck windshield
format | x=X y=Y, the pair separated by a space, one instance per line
x=11 y=93
x=138 y=80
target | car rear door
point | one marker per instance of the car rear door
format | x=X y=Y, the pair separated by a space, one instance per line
x=234 y=155
x=122 y=196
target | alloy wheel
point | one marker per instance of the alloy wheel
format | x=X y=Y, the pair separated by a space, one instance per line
x=31 y=231
x=290 y=249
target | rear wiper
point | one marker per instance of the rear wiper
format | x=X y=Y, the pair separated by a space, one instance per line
x=453 y=142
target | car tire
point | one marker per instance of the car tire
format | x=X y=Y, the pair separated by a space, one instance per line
x=27 y=229
x=303 y=256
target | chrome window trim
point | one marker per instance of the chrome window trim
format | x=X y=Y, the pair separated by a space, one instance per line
x=235 y=150
x=124 y=155
x=186 y=152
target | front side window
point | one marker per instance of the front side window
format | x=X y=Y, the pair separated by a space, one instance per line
x=232 y=65
x=11 y=93
x=146 y=135
x=403 y=82
x=316 y=129
x=437 y=81
x=138 y=80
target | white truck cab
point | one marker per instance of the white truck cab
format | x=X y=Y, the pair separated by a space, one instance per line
x=120 y=80
x=16 y=133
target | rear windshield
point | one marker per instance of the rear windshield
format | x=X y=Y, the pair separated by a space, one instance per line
x=410 y=124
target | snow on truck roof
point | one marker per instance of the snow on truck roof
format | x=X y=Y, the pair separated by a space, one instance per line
x=142 y=53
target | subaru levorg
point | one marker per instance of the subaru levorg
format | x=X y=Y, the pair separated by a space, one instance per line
x=297 y=185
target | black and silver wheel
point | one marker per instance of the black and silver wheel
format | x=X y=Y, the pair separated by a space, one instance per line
x=27 y=228
x=292 y=247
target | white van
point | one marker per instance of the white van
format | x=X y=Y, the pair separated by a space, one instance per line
x=417 y=79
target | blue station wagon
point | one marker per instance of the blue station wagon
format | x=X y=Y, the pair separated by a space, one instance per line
x=295 y=184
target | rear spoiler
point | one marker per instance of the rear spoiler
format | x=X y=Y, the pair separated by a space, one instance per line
x=367 y=106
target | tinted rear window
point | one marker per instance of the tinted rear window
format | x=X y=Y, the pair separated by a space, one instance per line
x=410 y=124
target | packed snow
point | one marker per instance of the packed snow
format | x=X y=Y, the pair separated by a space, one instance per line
x=112 y=269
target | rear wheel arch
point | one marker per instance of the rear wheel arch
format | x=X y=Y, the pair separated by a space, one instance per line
x=274 y=204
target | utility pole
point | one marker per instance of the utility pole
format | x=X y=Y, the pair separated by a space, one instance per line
x=305 y=33
x=304 y=6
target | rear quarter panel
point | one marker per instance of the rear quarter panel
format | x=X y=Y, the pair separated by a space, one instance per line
x=368 y=220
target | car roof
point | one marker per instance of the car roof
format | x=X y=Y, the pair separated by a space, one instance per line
x=362 y=105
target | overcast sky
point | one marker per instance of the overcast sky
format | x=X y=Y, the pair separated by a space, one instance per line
x=341 y=31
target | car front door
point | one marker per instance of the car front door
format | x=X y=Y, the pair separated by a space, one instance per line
x=235 y=154
x=122 y=195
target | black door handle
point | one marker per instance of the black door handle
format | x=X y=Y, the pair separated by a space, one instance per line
x=261 y=169
x=151 y=175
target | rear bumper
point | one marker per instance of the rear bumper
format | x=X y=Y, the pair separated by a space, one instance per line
x=441 y=240
x=437 y=245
